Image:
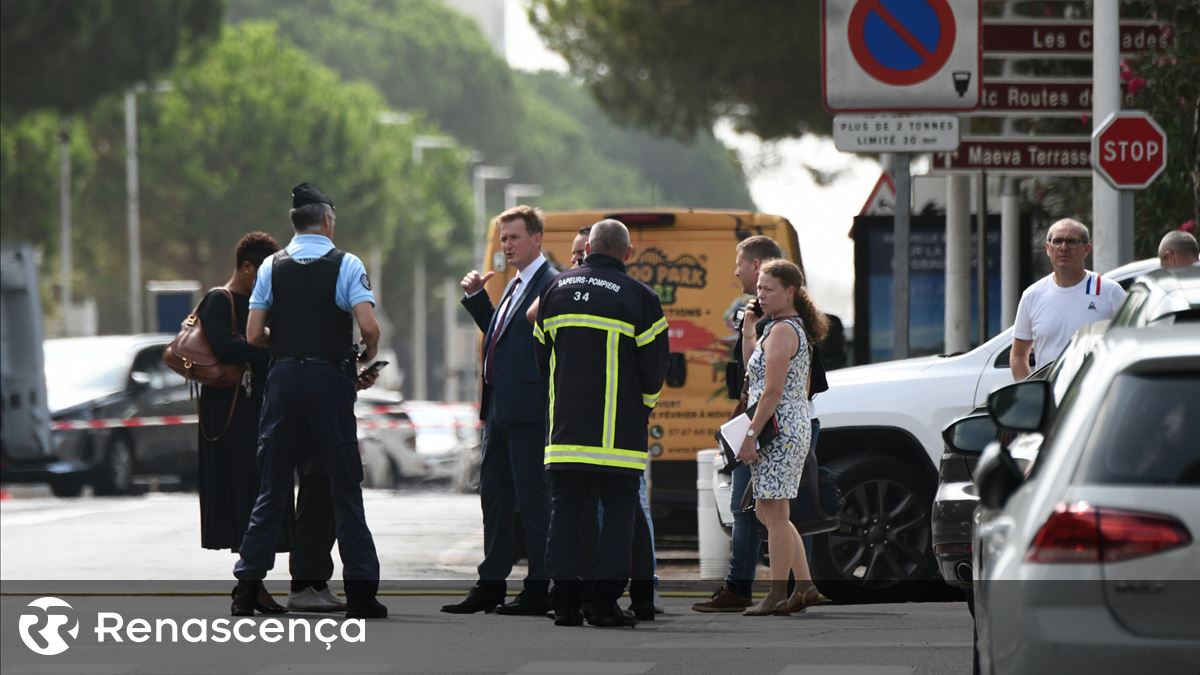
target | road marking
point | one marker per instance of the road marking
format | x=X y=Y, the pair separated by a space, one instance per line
x=330 y=668
x=41 y=518
x=584 y=668
x=822 y=669
x=909 y=644
x=70 y=669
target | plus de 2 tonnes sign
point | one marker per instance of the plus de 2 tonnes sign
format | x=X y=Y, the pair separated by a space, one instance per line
x=898 y=55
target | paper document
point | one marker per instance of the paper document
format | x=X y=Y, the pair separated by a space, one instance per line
x=733 y=433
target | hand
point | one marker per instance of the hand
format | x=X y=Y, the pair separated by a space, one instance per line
x=366 y=378
x=368 y=352
x=748 y=454
x=473 y=282
x=749 y=318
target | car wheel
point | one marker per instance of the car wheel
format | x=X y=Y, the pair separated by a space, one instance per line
x=69 y=486
x=114 y=475
x=883 y=546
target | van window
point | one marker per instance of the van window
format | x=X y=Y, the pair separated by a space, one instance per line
x=1146 y=433
x=1130 y=309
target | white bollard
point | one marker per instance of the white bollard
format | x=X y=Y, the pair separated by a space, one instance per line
x=714 y=543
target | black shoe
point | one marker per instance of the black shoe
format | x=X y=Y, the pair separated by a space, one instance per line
x=476 y=601
x=367 y=608
x=567 y=617
x=611 y=616
x=643 y=611
x=245 y=597
x=526 y=604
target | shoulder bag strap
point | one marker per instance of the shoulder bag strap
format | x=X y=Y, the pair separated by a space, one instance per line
x=236 y=389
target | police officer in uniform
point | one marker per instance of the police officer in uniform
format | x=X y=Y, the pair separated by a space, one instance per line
x=601 y=341
x=313 y=294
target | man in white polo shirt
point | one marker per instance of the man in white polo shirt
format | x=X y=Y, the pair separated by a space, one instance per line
x=1056 y=306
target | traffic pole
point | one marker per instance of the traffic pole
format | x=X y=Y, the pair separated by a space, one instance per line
x=958 y=264
x=1106 y=99
x=900 y=171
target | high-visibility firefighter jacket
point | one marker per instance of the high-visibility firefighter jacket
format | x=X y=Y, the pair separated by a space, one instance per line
x=601 y=342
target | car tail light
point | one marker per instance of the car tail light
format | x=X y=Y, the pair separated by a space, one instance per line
x=1082 y=533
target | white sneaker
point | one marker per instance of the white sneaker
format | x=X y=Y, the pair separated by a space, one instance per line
x=312 y=600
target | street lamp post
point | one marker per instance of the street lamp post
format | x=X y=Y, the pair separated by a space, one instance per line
x=482 y=174
x=132 y=202
x=420 y=326
x=515 y=192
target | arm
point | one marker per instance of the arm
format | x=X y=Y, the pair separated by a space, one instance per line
x=531 y=313
x=543 y=343
x=778 y=352
x=477 y=303
x=216 y=317
x=653 y=349
x=256 y=328
x=368 y=326
x=1018 y=358
x=749 y=335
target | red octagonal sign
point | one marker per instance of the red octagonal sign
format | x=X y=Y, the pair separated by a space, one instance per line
x=1129 y=150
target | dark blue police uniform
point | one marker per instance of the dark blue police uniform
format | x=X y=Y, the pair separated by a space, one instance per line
x=308 y=406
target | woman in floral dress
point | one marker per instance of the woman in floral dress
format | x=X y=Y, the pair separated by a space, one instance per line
x=777 y=365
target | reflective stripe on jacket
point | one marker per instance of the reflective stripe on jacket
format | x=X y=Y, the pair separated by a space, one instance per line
x=601 y=342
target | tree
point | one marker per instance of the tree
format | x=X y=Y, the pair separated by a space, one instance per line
x=66 y=55
x=586 y=161
x=677 y=67
x=419 y=53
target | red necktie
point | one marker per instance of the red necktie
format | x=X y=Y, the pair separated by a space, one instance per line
x=506 y=304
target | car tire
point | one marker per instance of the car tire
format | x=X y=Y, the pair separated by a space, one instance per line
x=883 y=551
x=114 y=475
x=68 y=487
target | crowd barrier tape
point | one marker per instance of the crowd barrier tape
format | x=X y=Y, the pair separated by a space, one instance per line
x=176 y=420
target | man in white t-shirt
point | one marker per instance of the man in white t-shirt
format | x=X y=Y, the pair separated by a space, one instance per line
x=1056 y=306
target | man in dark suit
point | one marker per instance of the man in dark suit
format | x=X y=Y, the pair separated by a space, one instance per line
x=513 y=409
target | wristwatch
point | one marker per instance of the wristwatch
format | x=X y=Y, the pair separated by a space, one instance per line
x=750 y=433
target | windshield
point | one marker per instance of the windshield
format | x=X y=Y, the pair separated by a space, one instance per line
x=70 y=366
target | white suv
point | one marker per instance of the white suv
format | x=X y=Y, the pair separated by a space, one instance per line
x=880 y=434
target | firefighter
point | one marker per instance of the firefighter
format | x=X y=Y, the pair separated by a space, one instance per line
x=601 y=342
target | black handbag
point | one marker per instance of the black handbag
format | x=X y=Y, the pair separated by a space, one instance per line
x=817 y=506
x=768 y=434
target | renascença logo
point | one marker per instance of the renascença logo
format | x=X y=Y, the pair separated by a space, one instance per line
x=52 y=641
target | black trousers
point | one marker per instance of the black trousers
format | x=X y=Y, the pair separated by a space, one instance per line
x=311 y=560
x=571 y=492
x=308 y=411
x=512 y=480
x=642 y=562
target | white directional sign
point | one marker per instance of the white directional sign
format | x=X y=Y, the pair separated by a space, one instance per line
x=887 y=55
x=895 y=133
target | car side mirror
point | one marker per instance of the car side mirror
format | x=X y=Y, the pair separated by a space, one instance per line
x=139 y=380
x=997 y=476
x=1021 y=406
x=970 y=435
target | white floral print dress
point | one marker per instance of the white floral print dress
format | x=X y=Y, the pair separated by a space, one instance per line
x=776 y=472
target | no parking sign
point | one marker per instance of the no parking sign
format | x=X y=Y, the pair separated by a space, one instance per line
x=889 y=55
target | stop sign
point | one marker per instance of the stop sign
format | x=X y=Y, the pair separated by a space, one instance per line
x=1129 y=150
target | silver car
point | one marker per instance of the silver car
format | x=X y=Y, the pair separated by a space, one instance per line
x=1086 y=561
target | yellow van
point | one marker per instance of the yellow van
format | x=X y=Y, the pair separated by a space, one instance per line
x=687 y=257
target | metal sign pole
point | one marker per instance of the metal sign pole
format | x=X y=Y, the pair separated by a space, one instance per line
x=900 y=250
x=981 y=271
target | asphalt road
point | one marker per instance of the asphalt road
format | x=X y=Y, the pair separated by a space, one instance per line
x=139 y=556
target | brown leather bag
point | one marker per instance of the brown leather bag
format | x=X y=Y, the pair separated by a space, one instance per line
x=190 y=355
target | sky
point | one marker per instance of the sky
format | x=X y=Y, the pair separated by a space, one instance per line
x=779 y=182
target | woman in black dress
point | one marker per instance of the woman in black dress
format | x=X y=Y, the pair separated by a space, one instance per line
x=228 y=468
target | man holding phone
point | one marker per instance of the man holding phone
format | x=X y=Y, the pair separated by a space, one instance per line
x=313 y=295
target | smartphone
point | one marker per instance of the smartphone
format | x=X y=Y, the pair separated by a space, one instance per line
x=756 y=307
x=374 y=368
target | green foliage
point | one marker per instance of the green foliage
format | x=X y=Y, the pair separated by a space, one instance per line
x=670 y=172
x=678 y=67
x=419 y=53
x=65 y=54
x=1172 y=96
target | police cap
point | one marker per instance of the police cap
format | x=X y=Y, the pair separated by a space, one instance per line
x=307 y=193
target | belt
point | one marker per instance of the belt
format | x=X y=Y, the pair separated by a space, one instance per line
x=312 y=359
